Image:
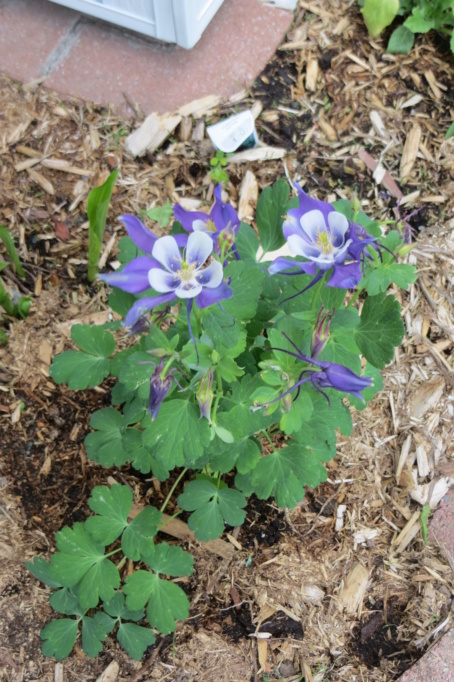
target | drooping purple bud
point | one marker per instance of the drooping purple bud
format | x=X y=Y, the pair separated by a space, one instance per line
x=159 y=387
x=205 y=395
x=320 y=335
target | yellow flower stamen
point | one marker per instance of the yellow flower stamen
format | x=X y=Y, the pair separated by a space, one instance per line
x=324 y=242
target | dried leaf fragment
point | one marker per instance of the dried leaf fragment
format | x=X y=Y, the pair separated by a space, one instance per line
x=411 y=148
x=354 y=588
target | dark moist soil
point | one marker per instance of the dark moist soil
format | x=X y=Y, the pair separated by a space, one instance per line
x=375 y=638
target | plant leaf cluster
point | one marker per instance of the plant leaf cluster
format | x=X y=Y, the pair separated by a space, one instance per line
x=89 y=586
x=239 y=448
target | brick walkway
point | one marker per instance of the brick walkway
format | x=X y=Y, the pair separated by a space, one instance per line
x=95 y=61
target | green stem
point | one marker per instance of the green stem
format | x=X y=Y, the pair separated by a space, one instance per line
x=265 y=433
x=172 y=490
x=316 y=293
x=3 y=338
x=166 y=367
x=198 y=321
x=219 y=380
x=115 y=551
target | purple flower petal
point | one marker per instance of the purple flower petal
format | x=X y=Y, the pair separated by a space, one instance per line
x=162 y=281
x=199 y=247
x=308 y=204
x=167 y=253
x=292 y=224
x=140 y=235
x=187 y=218
x=341 y=254
x=181 y=240
x=345 y=276
x=211 y=276
x=281 y=264
x=208 y=297
x=144 y=305
x=223 y=214
x=133 y=278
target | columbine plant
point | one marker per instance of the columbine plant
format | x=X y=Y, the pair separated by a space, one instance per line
x=230 y=353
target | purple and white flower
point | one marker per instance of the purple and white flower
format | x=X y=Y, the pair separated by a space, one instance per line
x=327 y=375
x=173 y=274
x=327 y=240
x=221 y=223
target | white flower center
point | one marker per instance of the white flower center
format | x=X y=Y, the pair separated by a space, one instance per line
x=186 y=274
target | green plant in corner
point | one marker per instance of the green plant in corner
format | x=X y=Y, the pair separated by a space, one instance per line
x=421 y=16
x=97 y=207
x=14 y=304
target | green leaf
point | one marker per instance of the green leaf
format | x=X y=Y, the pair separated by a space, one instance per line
x=59 y=637
x=450 y=131
x=244 y=453
x=117 y=609
x=112 y=506
x=85 y=369
x=81 y=560
x=300 y=411
x=401 y=41
x=178 y=435
x=11 y=250
x=161 y=214
x=138 y=537
x=247 y=243
x=212 y=506
x=387 y=270
x=93 y=635
x=66 y=602
x=97 y=208
x=239 y=419
x=380 y=329
x=284 y=472
x=220 y=327
x=418 y=23
x=272 y=207
x=246 y=283
x=166 y=602
x=424 y=518
x=40 y=568
x=169 y=560
x=135 y=639
x=93 y=340
x=104 y=445
x=378 y=14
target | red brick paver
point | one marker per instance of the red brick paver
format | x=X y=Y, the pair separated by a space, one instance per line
x=101 y=63
x=436 y=666
x=29 y=33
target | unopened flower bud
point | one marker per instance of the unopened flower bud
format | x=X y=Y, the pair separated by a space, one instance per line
x=225 y=240
x=320 y=335
x=205 y=395
x=355 y=204
x=159 y=387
